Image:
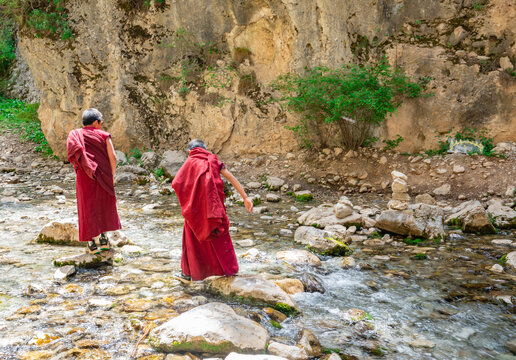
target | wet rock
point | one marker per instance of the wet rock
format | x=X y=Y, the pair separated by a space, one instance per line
x=290 y=286
x=60 y=233
x=496 y=268
x=502 y=241
x=511 y=345
x=348 y=262
x=64 y=272
x=323 y=216
x=212 y=328
x=421 y=343
x=36 y=355
x=331 y=357
x=309 y=342
x=251 y=287
x=274 y=183
x=420 y=220
x=172 y=162
x=118 y=238
x=287 y=351
x=511 y=259
x=299 y=257
x=87 y=260
x=236 y=356
x=303 y=195
x=354 y=315
x=132 y=250
x=275 y=314
x=285 y=232
x=472 y=217
x=504 y=217
x=312 y=283
x=321 y=241
x=150 y=159
x=99 y=302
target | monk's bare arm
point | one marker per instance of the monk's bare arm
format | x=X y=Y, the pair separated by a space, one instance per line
x=239 y=188
x=111 y=155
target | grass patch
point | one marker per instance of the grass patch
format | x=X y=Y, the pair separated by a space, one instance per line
x=276 y=324
x=22 y=118
x=420 y=256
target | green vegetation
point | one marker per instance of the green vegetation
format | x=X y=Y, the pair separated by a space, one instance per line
x=503 y=259
x=392 y=144
x=409 y=241
x=370 y=141
x=22 y=118
x=374 y=235
x=276 y=324
x=353 y=98
x=420 y=256
x=286 y=309
x=7 y=46
x=477 y=6
x=159 y=173
x=135 y=153
x=304 y=197
x=468 y=133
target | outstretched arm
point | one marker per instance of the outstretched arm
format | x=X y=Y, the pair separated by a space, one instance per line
x=111 y=155
x=238 y=187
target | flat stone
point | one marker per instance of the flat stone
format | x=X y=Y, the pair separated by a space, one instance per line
x=274 y=183
x=287 y=351
x=254 y=185
x=64 y=272
x=236 y=356
x=285 y=232
x=87 y=260
x=290 y=286
x=421 y=343
x=272 y=198
x=299 y=257
x=398 y=175
x=63 y=232
x=245 y=243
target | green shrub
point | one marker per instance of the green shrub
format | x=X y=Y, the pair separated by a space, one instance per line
x=135 y=153
x=23 y=118
x=468 y=133
x=392 y=144
x=7 y=46
x=355 y=98
x=158 y=173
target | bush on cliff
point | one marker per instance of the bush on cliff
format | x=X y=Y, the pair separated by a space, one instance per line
x=354 y=98
x=7 y=46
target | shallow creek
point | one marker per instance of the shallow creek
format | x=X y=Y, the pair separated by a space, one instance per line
x=449 y=298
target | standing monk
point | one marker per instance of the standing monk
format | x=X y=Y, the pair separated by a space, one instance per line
x=92 y=155
x=207 y=246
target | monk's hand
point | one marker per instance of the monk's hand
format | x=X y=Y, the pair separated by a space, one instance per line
x=248 y=203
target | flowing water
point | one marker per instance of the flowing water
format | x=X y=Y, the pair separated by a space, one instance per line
x=450 y=299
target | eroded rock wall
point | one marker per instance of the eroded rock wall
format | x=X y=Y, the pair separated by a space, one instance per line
x=126 y=64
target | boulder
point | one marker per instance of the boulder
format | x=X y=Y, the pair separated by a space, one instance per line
x=323 y=216
x=342 y=210
x=87 y=260
x=504 y=217
x=290 y=286
x=213 y=328
x=272 y=198
x=309 y=343
x=299 y=257
x=274 y=183
x=150 y=159
x=64 y=272
x=472 y=217
x=125 y=178
x=420 y=220
x=120 y=157
x=118 y=238
x=443 y=190
x=235 y=356
x=132 y=169
x=253 y=288
x=287 y=351
x=60 y=233
x=425 y=199
x=312 y=283
x=172 y=162
x=321 y=241
x=510 y=259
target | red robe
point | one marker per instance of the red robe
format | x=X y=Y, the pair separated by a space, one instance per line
x=207 y=246
x=96 y=199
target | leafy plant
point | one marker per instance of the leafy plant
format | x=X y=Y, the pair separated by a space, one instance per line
x=159 y=173
x=22 y=118
x=392 y=144
x=420 y=256
x=409 y=241
x=135 y=153
x=354 y=98
x=7 y=47
x=370 y=141
x=477 y=6
x=468 y=133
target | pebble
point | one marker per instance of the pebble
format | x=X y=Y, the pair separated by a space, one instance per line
x=245 y=243
x=497 y=268
x=421 y=343
x=285 y=232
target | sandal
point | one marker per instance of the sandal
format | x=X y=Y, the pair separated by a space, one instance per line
x=92 y=248
x=103 y=242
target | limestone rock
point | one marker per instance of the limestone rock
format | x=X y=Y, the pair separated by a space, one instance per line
x=511 y=259
x=290 y=286
x=399 y=186
x=274 y=183
x=272 y=198
x=401 y=196
x=254 y=185
x=212 y=328
x=60 y=233
x=287 y=351
x=443 y=190
x=425 y=199
x=457 y=36
x=253 y=287
x=120 y=157
x=87 y=260
x=235 y=356
x=420 y=220
x=505 y=63
x=458 y=169
x=64 y=272
x=472 y=217
x=171 y=162
x=504 y=216
x=323 y=216
x=118 y=238
x=342 y=210
x=309 y=342
x=299 y=257
x=397 y=205
x=511 y=345
x=150 y=159
x=398 y=175
x=132 y=169
x=312 y=283
x=319 y=240
x=125 y=178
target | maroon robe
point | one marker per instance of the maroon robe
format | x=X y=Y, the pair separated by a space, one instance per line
x=207 y=246
x=96 y=199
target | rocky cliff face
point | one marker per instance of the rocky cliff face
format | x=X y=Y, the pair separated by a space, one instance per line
x=155 y=90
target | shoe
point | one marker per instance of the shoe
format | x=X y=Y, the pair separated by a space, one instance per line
x=104 y=242
x=92 y=248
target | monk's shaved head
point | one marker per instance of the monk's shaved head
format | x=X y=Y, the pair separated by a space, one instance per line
x=89 y=116
x=196 y=143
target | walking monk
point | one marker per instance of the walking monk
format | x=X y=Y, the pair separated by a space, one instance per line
x=207 y=246
x=92 y=155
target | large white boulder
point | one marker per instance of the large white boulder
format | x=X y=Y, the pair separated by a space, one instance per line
x=472 y=217
x=172 y=162
x=63 y=232
x=212 y=328
x=510 y=260
x=504 y=216
x=321 y=241
x=324 y=215
x=299 y=257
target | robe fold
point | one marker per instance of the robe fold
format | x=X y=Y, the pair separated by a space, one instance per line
x=96 y=198
x=207 y=246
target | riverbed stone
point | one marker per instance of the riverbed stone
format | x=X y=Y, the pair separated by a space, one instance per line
x=511 y=259
x=272 y=198
x=422 y=343
x=323 y=216
x=342 y=210
x=118 y=238
x=321 y=241
x=309 y=342
x=290 y=286
x=236 y=356
x=425 y=199
x=64 y=272
x=274 y=183
x=213 y=328
x=87 y=260
x=511 y=345
x=443 y=190
x=254 y=288
x=472 y=217
x=63 y=232
x=287 y=351
x=299 y=257
x=171 y=162
x=504 y=216
x=420 y=220
x=120 y=157
x=150 y=159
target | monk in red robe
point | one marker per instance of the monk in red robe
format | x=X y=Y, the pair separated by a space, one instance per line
x=92 y=155
x=207 y=246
